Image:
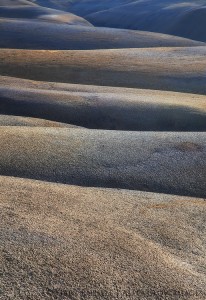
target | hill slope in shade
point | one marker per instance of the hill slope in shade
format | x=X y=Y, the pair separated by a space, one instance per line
x=29 y=34
x=104 y=107
x=176 y=17
x=186 y=19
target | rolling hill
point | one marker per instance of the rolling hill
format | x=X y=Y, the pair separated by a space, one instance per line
x=102 y=150
x=174 y=17
x=179 y=69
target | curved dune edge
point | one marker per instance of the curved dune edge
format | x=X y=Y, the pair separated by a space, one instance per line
x=148 y=161
x=75 y=240
x=174 y=69
x=37 y=13
x=102 y=108
x=11 y=120
x=17 y=2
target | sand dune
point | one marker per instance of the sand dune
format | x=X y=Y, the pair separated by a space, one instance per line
x=184 y=26
x=133 y=160
x=175 y=69
x=17 y=3
x=177 y=17
x=30 y=34
x=41 y=13
x=57 y=4
x=107 y=108
x=103 y=150
x=67 y=241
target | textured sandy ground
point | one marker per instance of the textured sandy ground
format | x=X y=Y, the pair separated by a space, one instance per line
x=149 y=161
x=105 y=107
x=176 y=69
x=31 y=34
x=66 y=242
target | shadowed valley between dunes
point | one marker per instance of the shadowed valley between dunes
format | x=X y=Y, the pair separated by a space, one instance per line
x=101 y=107
x=103 y=150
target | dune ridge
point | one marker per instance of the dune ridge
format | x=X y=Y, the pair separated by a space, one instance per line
x=107 y=108
x=41 y=14
x=11 y=120
x=132 y=160
x=44 y=35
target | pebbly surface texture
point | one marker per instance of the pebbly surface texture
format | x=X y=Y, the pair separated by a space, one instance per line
x=148 y=161
x=64 y=242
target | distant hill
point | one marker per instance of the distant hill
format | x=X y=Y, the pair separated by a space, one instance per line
x=175 y=17
x=178 y=17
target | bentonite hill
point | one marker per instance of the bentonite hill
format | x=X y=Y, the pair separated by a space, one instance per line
x=102 y=150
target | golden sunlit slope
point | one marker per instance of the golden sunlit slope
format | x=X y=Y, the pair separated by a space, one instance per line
x=175 y=69
x=65 y=242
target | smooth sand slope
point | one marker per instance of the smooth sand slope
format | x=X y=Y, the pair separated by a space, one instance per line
x=66 y=242
x=31 y=34
x=175 y=69
x=105 y=107
x=148 y=161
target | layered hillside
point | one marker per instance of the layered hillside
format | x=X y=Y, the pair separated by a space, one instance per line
x=102 y=151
